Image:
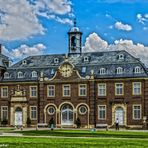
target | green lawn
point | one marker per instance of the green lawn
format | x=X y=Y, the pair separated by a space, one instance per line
x=26 y=142
x=77 y=139
x=87 y=133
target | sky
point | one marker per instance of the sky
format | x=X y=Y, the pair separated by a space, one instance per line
x=35 y=27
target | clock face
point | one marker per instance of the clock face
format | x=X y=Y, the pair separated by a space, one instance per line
x=66 y=70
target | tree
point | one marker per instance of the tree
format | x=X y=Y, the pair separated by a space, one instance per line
x=78 y=122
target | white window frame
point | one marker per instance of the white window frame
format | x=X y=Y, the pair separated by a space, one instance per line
x=2 y=92
x=20 y=74
x=137 y=69
x=34 y=74
x=82 y=113
x=120 y=70
x=86 y=59
x=102 y=71
x=32 y=111
x=121 y=56
x=139 y=105
x=99 y=110
x=56 y=60
x=52 y=90
x=122 y=87
x=66 y=95
x=83 y=89
x=136 y=89
x=2 y=110
x=102 y=87
x=31 y=91
x=6 y=75
x=52 y=108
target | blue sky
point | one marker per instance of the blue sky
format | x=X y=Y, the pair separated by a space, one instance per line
x=31 y=27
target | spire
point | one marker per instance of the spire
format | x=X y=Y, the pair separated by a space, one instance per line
x=75 y=22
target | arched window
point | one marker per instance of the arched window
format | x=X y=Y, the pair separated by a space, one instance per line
x=56 y=60
x=6 y=75
x=102 y=71
x=86 y=59
x=34 y=74
x=73 y=41
x=20 y=74
x=121 y=56
x=137 y=69
x=119 y=70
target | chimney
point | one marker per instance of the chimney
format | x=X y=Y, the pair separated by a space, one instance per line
x=0 y=48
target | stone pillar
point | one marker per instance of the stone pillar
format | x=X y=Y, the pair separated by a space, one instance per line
x=24 y=110
x=12 y=116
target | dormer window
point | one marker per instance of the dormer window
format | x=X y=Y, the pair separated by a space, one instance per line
x=102 y=71
x=20 y=74
x=6 y=75
x=86 y=59
x=83 y=69
x=34 y=74
x=56 y=60
x=24 y=62
x=137 y=69
x=121 y=57
x=119 y=70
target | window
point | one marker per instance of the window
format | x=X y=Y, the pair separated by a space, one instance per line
x=102 y=71
x=33 y=112
x=51 y=110
x=20 y=74
x=119 y=70
x=136 y=112
x=24 y=62
x=136 y=88
x=33 y=91
x=66 y=90
x=34 y=74
x=121 y=56
x=82 y=110
x=51 y=90
x=6 y=75
x=86 y=59
x=102 y=89
x=4 y=92
x=82 y=90
x=102 y=112
x=119 y=88
x=83 y=69
x=56 y=60
x=137 y=69
x=4 y=113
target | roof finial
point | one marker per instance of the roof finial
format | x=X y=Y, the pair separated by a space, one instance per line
x=75 y=22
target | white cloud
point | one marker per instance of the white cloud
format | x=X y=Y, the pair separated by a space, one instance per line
x=94 y=43
x=19 y=19
x=24 y=51
x=121 y=26
x=142 y=18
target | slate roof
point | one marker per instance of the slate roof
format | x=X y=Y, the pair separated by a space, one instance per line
x=84 y=63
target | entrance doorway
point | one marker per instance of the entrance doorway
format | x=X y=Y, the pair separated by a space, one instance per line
x=119 y=113
x=18 y=117
x=67 y=115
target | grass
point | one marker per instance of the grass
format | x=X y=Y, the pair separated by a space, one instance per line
x=87 y=133
x=76 y=139
x=26 y=142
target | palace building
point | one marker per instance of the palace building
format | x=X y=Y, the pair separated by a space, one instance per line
x=96 y=87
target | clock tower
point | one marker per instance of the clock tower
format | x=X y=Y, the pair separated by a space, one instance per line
x=75 y=40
